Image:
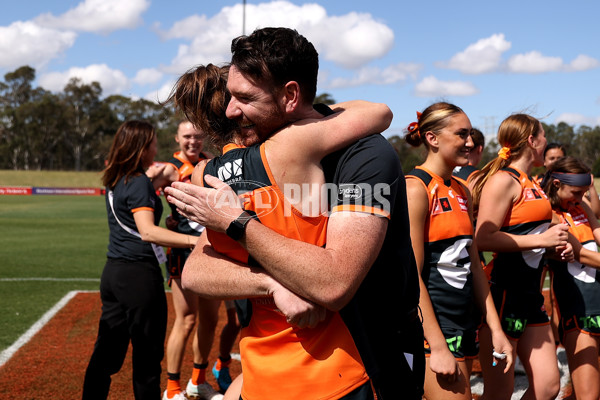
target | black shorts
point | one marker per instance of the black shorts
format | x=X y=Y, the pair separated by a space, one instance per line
x=176 y=259
x=589 y=324
x=461 y=343
x=517 y=310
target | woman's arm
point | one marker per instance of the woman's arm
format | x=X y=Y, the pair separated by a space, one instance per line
x=313 y=139
x=497 y=198
x=144 y=220
x=592 y=200
x=593 y=221
x=442 y=361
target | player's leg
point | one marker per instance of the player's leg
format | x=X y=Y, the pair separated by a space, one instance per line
x=582 y=354
x=496 y=383
x=185 y=305
x=538 y=355
x=208 y=316
x=227 y=340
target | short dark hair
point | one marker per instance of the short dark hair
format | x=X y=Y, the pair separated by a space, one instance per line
x=280 y=55
x=554 y=145
x=478 y=138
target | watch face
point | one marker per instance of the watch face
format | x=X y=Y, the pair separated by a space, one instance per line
x=237 y=228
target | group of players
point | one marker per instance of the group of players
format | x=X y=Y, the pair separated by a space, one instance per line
x=341 y=297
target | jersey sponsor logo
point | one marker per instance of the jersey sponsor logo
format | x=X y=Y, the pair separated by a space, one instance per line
x=442 y=205
x=462 y=202
x=349 y=191
x=230 y=171
x=579 y=219
x=532 y=194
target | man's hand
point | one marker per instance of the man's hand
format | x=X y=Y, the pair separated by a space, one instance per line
x=298 y=311
x=213 y=208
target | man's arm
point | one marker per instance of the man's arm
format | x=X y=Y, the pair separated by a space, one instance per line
x=326 y=276
x=213 y=275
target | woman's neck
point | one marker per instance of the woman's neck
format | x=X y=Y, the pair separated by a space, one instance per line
x=438 y=167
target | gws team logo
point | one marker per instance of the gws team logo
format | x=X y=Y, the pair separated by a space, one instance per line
x=230 y=171
x=349 y=191
x=442 y=205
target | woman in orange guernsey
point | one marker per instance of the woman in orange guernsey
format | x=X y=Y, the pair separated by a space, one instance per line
x=261 y=172
x=452 y=280
x=515 y=222
x=576 y=284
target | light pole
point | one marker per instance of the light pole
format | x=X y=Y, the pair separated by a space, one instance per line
x=244 y=19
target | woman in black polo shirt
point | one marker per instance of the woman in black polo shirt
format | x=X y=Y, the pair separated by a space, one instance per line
x=134 y=306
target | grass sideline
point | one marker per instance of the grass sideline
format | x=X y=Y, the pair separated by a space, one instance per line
x=51 y=244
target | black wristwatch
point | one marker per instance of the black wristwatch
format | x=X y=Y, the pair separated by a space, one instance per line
x=237 y=228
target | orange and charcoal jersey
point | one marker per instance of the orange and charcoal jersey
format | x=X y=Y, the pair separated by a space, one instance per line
x=577 y=286
x=530 y=214
x=448 y=235
x=281 y=361
x=464 y=174
x=184 y=169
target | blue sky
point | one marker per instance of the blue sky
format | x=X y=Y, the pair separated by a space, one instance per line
x=489 y=58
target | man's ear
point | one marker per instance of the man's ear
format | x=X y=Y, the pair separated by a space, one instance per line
x=291 y=96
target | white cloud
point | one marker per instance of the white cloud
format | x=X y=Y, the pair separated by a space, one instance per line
x=577 y=119
x=358 y=37
x=26 y=43
x=432 y=87
x=534 y=63
x=481 y=57
x=112 y=81
x=161 y=94
x=375 y=76
x=147 y=76
x=98 y=16
x=584 y=63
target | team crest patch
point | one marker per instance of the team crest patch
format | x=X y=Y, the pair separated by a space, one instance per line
x=442 y=205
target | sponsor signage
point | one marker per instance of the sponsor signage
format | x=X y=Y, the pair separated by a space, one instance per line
x=25 y=190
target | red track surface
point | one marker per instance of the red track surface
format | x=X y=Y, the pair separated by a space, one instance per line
x=52 y=364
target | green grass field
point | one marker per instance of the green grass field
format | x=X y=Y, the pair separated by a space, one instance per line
x=50 y=246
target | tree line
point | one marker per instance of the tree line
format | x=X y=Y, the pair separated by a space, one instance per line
x=73 y=129
x=582 y=142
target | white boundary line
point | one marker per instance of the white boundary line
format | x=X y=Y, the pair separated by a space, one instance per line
x=37 y=326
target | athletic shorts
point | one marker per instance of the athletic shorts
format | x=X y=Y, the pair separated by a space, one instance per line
x=517 y=310
x=461 y=343
x=589 y=324
x=176 y=259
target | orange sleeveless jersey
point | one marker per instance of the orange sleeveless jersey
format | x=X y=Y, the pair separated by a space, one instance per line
x=280 y=361
x=448 y=235
x=530 y=214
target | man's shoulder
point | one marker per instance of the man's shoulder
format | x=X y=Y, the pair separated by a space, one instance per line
x=373 y=153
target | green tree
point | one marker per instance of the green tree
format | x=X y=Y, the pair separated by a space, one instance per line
x=83 y=131
x=324 y=98
x=409 y=156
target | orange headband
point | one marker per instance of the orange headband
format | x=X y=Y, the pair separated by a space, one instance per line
x=504 y=153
